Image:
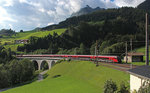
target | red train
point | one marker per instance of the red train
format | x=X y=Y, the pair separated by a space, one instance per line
x=100 y=58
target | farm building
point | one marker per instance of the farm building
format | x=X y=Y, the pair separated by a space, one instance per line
x=25 y=41
x=134 y=57
x=138 y=76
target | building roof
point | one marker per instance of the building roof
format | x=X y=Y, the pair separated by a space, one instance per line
x=135 y=54
x=141 y=71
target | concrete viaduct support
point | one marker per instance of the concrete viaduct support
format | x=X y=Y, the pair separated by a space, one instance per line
x=49 y=62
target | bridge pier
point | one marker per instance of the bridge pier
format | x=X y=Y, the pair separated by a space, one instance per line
x=51 y=63
x=39 y=64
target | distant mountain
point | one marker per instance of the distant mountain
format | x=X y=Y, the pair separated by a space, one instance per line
x=145 y=5
x=37 y=29
x=86 y=10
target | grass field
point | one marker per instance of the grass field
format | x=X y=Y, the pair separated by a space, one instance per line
x=75 y=77
x=142 y=49
x=26 y=35
x=138 y=63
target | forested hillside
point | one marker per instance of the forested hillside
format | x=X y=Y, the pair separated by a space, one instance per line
x=145 y=5
x=127 y=13
x=111 y=28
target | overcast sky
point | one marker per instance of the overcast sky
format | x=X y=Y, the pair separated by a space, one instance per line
x=29 y=14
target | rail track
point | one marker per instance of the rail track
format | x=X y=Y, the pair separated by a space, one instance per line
x=118 y=66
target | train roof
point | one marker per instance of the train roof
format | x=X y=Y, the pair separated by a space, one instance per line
x=46 y=55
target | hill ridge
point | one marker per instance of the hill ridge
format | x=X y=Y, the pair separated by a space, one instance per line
x=145 y=5
x=86 y=10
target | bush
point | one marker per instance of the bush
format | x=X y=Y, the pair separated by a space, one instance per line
x=110 y=86
x=123 y=88
x=145 y=88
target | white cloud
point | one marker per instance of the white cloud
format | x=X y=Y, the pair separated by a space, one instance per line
x=42 y=10
x=51 y=13
x=23 y=1
x=38 y=25
x=4 y=16
x=10 y=26
x=51 y=23
x=8 y=3
x=28 y=14
x=30 y=3
x=131 y=3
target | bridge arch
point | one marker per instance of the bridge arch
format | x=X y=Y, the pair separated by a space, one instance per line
x=38 y=64
x=51 y=63
x=35 y=64
x=44 y=65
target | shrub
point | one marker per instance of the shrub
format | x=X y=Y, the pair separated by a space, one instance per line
x=110 y=86
x=123 y=88
x=145 y=88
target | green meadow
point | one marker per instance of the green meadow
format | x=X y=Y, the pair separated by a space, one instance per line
x=74 y=77
x=26 y=35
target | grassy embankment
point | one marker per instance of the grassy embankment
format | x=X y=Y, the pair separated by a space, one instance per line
x=74 y=77
x=26 y=35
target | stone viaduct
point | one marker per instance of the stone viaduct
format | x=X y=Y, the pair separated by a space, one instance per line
x=40 y=60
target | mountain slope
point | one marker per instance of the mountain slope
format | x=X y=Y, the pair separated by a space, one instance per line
x=85 y=10
x=74 y=77
x=9 y=41
x=145 y=5
x=126 y=13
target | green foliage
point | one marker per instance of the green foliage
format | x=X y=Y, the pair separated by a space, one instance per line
x=7 y=32
x=45 y=65
x=69 y=51
x=115 y=48
x=82 y=49
x=92 y=49
x=13 y=71
x=21 y=31
x=16 y=72
x=123 y=88
x=112 y=27
x=110 y=87
x=50 y=42
x=104 y=45
x=5 y=55
x=4 y=77
x=26 y=35
x=145 y=88
x=134 y=91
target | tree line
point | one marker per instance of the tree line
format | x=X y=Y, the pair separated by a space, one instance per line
x=12 y=70
x=7 y=32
